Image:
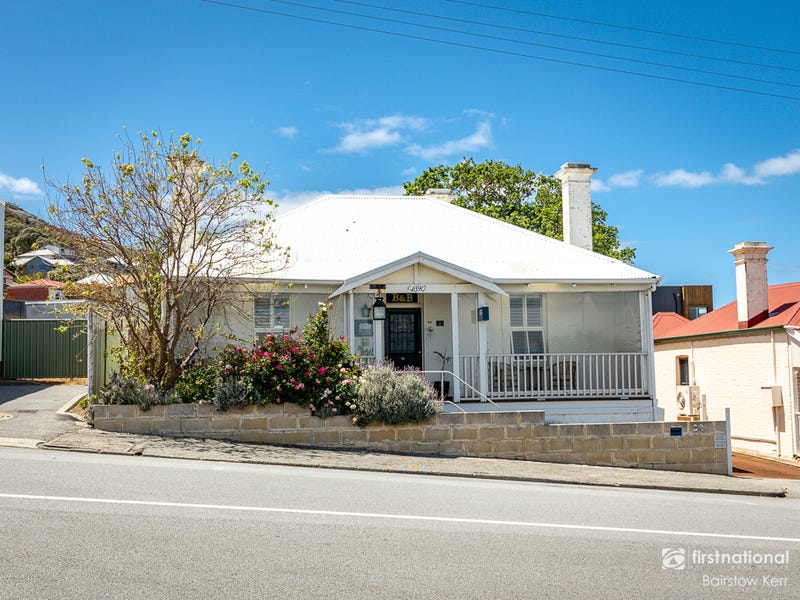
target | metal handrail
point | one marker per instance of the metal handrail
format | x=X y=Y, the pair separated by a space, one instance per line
x=480 y=394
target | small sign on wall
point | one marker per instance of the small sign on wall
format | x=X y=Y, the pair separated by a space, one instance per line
x=720 y=440
x=363 y=327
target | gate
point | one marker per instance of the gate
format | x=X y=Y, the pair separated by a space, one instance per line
x=44 y=349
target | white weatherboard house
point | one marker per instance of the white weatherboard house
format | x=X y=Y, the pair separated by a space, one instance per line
x=516 y=315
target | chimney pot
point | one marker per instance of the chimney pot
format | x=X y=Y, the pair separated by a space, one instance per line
x=752 y=302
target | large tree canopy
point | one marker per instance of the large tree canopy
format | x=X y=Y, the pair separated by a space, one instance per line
x=172 y=232
x=518 y=196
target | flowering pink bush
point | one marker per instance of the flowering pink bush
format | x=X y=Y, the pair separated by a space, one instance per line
x=311 y=370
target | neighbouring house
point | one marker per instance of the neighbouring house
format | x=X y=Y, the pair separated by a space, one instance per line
x=689 y=301
x=744 y=355
x=514 y=315
x=36 y=290
x=45 y=259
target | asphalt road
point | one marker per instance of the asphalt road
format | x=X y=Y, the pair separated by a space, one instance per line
x=92 y=526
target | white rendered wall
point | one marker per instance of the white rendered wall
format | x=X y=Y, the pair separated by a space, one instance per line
x=730 y=373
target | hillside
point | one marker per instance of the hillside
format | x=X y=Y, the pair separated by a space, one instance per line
x=25 y=232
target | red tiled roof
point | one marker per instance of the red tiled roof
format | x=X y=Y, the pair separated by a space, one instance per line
x=784 y=309
x=48 y=283
x=664 y=322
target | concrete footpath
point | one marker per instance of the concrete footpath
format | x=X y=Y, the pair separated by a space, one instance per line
x=91 y=440
x=35 y=416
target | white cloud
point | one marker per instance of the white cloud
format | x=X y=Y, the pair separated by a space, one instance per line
x=288 y=132
x=369 y=134
x=482 y=138
x=401 y=122
x=627 y=179
x=21 y=186
x=684 y=178
x=409 y=171
x=361 y=141
x=730 y=173
x=288 y=199
x=476 y=112
x=389 y=190
x=598 y=185
x=788 y=164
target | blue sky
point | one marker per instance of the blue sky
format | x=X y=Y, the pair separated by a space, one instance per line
x=685 y=171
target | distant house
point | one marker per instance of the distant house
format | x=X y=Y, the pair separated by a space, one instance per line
x=514 y=315
x=744 y=355
x=36 y=290
x=45 y=260
x=689 y=301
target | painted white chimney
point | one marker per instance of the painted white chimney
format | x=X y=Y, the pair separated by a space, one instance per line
x=752 y=303
x=576 y=202
x=444 y=194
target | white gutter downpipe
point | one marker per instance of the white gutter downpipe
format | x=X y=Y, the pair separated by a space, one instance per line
x=792 y=336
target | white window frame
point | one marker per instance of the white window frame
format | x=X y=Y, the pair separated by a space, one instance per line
x=273 y=325
x=526 y=326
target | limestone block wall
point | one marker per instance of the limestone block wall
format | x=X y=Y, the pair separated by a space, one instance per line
x=516 y=435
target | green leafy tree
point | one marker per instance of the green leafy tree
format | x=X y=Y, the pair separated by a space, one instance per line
x=173 y=233
x=518 y=196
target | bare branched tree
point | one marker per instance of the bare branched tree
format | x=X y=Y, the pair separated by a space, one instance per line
x=171 y=237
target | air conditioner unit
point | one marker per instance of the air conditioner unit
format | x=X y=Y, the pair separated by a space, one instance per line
x=688 y=400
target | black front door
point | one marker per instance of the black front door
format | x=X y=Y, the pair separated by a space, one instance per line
x=404 y=337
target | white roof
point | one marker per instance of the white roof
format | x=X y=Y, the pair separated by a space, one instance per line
x=339 y=238
x=101 y=278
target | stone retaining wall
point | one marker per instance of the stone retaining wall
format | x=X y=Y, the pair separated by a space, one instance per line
x=518 y=435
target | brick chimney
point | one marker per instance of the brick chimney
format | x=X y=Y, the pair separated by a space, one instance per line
x=752 y=304
x=576 y=195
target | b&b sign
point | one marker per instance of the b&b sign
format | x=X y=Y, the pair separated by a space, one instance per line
x=402 y=298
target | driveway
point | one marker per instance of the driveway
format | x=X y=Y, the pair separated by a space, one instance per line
x=745 y=465
x=28 y=412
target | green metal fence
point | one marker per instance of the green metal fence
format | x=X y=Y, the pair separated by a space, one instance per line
x=34 y=349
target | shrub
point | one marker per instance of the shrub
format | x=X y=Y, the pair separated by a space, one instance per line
x=197 y=383
x=314 y=371
x=394 y=397
x=128 y=390
x=233 y=391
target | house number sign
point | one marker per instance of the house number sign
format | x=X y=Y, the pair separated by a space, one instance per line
x=417 y=287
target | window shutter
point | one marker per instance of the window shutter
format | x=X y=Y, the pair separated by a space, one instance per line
x=280 y=312
x=515 y=304
x=262 y=310
x=533 y=306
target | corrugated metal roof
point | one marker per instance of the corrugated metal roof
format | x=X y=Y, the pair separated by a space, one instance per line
x=336 y=238
x=784 y=309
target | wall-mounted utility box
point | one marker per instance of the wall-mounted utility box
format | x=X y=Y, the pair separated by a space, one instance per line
x=483 y=313
x=772 y=395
